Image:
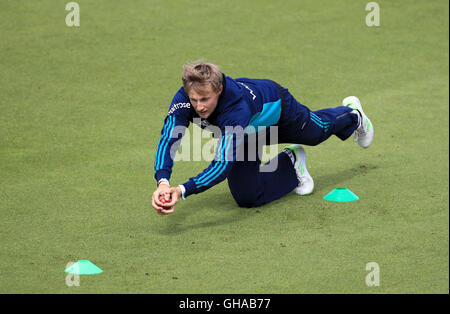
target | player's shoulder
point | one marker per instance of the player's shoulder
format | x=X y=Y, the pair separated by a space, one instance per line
x=180 y=96
x=259 y=82
x=254 y=81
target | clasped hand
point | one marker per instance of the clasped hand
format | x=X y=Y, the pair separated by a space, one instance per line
x=171 y=195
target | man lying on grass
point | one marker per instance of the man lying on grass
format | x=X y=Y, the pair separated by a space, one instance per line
x=246 y=111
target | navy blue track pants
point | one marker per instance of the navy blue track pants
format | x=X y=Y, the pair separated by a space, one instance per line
x=252 y=187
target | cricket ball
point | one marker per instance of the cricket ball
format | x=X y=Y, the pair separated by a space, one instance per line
x=162 y=199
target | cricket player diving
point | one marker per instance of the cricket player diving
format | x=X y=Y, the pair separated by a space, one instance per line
x=247 y=110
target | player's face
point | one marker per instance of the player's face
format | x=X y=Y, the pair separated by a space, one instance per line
x=205 y=100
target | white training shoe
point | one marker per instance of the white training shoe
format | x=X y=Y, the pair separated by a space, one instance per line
x=305 y=181
x=364 y=133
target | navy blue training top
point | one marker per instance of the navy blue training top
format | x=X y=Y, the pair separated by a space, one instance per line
x=244 y=106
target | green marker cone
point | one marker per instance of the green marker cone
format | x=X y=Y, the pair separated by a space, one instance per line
x=341 y=195
x=84 y=267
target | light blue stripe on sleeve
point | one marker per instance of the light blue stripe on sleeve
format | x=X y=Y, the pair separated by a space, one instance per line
x=166 y=141
x=202 y=177
x=218 y=165
x=222 y=167
x=161 y=143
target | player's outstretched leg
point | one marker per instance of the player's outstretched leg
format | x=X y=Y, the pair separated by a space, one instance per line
x=364 y=133
x=305 y=181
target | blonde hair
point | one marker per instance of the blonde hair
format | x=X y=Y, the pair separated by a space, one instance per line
x=200 y=73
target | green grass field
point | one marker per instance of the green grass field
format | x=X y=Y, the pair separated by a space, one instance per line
x=81 y=114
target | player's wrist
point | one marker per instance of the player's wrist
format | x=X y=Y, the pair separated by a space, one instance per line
x=163 y=181
x=181 y=191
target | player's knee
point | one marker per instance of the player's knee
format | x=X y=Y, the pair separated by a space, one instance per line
x=246 y=204
x=247 y=200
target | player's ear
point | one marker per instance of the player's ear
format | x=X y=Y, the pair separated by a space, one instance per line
x=220 y=89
